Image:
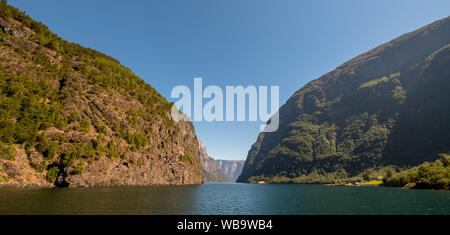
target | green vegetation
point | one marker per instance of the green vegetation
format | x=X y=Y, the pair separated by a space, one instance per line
x=85 y=125
x=373 y=116
x=187 y=158
x=78 y=169
x=78 y=151
x=374 y=82
x=112 y=150
x=373 y=182
x=40 y=58
x=47 y=148
x=59 y=90
x=429 y=175
x=435 y=175
x=23 y=113
x=5 y=179
x=314 y=177
x=52 y=174
x=101 y=69
x=137 y=140
x=74 y=116
x=317 y=153
x=6 y=151
x=101 y=128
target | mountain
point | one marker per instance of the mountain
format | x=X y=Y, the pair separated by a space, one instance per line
x=387 y=107
x=219 y=170
x=74 y=117
x=231 y=169
x=211 y=171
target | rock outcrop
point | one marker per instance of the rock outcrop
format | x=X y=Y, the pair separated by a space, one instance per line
x=232 y=169
x=75 y=117
x=211 y=172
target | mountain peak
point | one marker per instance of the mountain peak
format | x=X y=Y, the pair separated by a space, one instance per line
x=367 y=113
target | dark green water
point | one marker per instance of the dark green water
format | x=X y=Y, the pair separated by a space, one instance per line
x=227 y=199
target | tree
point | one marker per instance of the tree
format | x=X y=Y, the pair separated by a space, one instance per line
x=5 y=2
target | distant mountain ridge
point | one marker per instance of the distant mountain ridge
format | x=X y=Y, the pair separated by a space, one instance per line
x=219 y=170
x=211 y=171
x=389 y=106
x=231 y=168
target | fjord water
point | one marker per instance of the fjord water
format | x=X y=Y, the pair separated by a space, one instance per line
x=224 y=198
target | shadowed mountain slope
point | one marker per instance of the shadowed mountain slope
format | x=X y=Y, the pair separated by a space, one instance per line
x=389 y=106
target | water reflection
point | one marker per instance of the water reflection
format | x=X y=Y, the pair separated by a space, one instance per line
x=224 y=199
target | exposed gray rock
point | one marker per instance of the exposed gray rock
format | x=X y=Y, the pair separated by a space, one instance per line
x=211 y=172
x=232 y=169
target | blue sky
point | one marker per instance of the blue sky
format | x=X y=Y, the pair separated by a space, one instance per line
x=284 y=43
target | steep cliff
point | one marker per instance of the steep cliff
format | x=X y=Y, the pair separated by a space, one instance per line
x=389 y=106
x=231 y=169
x=74 y=117
x=211 y=171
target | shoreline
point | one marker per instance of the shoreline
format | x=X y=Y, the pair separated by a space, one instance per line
x=368 y=184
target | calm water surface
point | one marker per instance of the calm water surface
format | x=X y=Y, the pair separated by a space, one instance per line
x=227 y=199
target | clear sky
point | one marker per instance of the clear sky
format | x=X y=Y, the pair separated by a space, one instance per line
x=282 y=43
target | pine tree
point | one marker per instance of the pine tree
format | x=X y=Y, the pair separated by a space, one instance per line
x=5 y=2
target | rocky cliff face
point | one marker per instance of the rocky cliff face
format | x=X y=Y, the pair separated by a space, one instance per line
x=231 y=169
x=211 y=172
x=74 y=117
x=389 y=106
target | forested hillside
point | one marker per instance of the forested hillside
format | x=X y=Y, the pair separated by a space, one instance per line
x=72 y=116
x=387 y=107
